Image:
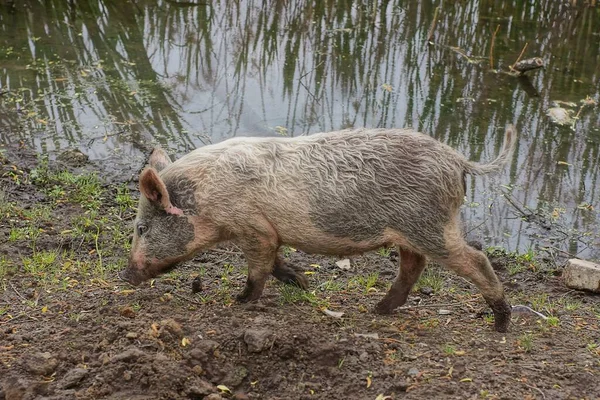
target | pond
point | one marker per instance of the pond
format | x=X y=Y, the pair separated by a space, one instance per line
x=113 y=78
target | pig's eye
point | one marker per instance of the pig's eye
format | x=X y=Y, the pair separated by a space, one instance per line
x=141 y=229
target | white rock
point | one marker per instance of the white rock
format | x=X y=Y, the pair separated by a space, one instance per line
x=343 y=264
x=583 y=275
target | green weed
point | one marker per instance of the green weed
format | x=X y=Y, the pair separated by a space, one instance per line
x=367 y=282
x=384 y=251
x=449 y=350
x=525 y=342
x=291 y=294
x=433 y=278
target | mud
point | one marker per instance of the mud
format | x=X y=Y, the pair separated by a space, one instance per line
x=69 y=332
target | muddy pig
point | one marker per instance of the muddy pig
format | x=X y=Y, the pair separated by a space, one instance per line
x=337 y=193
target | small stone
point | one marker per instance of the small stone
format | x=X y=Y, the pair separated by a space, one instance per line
x=258 y=339
x=444 y=312
x=412 y=372
x=426 y=290
x=197 y=285
x=131 y=335
x=41 y=363
x=582 y=275
x=73 y=377
x=344 y=264
x=127 y=375
x=364 y=357
x=241 y=396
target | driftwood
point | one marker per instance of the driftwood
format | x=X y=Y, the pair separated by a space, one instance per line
x=527 y=65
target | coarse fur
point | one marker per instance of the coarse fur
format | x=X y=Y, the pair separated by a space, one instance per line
x=339 y=193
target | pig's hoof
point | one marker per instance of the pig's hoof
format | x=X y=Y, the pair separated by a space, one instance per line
x=299 y=280
x=384 y=307
x=502 y=311
x=289 y=275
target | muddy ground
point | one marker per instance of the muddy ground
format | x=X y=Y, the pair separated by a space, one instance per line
x=69 y=329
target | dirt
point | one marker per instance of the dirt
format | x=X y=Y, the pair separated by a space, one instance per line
x=70 y=329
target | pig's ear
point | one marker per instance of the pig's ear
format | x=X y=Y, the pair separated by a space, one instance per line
x=159 y=159
x=155 y=190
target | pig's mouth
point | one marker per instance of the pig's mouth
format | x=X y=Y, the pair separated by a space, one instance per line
x=136 y=276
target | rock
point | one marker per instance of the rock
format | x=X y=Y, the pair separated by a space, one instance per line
x=363 y=357
x=343 y=264
x=258 y=339
x=241 y=396
x=131 y=335
x=73 y=377
x=129 y=355
x=426 y=290
x=196 y=285
x=582 y=275
x=560 y=116
x=412 y=372
x=41 y=363
x=72 y=158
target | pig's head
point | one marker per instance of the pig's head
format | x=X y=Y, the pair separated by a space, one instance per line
x=164 y=232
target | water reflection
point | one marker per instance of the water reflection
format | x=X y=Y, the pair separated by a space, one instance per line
x=113 y=77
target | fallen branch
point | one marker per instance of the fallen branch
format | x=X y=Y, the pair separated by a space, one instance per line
x=527 y=65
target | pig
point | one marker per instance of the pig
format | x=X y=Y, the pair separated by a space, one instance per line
x=335 y=193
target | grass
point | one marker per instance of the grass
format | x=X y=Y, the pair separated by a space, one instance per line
x=525 y=342
x=432 y=277
x=291 y=294
x=367 y=283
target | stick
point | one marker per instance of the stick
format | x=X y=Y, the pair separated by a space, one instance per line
x=432 y=27
x=520 y=55
x=492 y=47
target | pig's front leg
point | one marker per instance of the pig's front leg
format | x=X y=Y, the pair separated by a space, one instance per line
x=287 y=274
x=260 y=253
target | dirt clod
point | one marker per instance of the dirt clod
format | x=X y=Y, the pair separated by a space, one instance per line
x=258 y=339
x=41 y=363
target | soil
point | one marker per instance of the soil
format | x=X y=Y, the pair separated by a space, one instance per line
x=71 y=331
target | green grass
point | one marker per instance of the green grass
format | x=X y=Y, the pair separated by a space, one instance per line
x=291 y=294
x=449 y=350
x=432 y=277
x=525 y=342
x=366 y=283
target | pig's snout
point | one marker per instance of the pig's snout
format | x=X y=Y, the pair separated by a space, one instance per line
x=131 y=276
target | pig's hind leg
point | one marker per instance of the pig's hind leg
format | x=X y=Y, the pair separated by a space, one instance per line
x=473 y=264
x=410 y=267
x=287 y=274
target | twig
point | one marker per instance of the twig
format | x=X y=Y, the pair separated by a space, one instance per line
x=492 y=47
x=458 y=303
x=520 y=55
x=538 y=389
x=432 y=27
x=16 y=291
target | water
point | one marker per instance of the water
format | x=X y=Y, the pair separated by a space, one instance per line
x=113 y=78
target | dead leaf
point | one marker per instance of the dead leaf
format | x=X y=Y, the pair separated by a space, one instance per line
x=185 y=341
x=369 y=382
x=223 y=389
